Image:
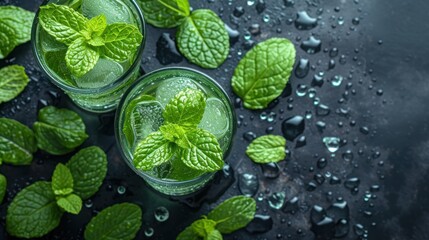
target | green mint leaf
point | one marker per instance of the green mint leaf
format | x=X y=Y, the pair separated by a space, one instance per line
x=81 y=57
x=20 y=20
x=8 y=39
x=56 y=62
x=214 y=235
x=175 y=133
x=152 y=151
x=59 y=131
x=138 y=123
x=267 y=149
x=62 y=22
x=13 y=80
x=119 y=222
x=95 y=28
x=121 y=40
x=203 y=227
x=188 y=234
x=3 y=186
x=180 y=172
x=262 y=74
x=33 y=212
x=204 y=153
x=75 y=4
x=165 y=13
x=62 y=181
x=186 y=108
x=88 y=168
x=71 y=203
x=203 y=39
x=233 y=213
x=17 y=142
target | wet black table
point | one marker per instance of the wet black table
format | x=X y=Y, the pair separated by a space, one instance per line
x=376 y=185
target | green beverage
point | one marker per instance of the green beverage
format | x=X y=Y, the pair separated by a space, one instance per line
x=144 y=111
x=91 y=49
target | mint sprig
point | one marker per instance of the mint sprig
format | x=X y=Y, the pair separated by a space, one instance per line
x=38 y=208
x=198 y=149
x=201 y=35
x=227 y=217
x=88 y=39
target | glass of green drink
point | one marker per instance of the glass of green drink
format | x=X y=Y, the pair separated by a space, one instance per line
x=142 y=113
x=98 y=87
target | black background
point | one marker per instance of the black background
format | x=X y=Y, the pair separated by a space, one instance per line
x=386 y=51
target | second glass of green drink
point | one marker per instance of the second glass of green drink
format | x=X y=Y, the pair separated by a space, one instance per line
x=99 y=89
x=141 y=113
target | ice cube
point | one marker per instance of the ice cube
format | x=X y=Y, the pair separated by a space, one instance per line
x=145 y=118
x=215 y=118
x=104 y=72
x=169 y=88
x=114 y=10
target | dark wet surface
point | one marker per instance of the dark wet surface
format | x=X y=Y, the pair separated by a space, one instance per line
x=377 y=184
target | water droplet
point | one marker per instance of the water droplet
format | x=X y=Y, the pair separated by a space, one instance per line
x=291 y=206
x=356 y=21
x=348 y=156
x=250 y=2
x=260 y=224
x=312 y=45
x=320 y=125
x=301 y=90
x=249 y=136
x=302 y=68
x=270 y=170
x=322 y=110
x=248 y=184
x=301 y=142
x=89 y=203
x=255 y=29
x=238 y=11
x=289 y=3
x=276 y=200
x=161 y=214
x=260 y=6
x=121 y=190
x=266 y=18
x=304 y=21
x=337 y=80
x=364 y=130
x=332 y=143
x=148 y=232
x=333 y=52
x=317 y=81
x=311 y=92
x=292 y=127
x=352 y=183
x=322 y=163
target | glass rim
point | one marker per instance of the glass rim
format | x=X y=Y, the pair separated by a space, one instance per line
x=72 y=89
x=119 y=111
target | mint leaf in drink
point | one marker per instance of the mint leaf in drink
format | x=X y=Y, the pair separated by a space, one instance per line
x=71 y=203
x=262 y=74
x=62 y=22
x=81 y=57
x=120 y=222
x=175 y=133
x=188 y=234
x=165 y=13
x=20 y=20
x=180 y=172
x=203 y=39
x=59 y=131
x=8 y=39
x=121 y=40
x=204 y=153
x=17 y=142
x=88 y=168
x=62 y=181
x=3 y=186
x=214 y=235
x=203 y=227
x=267 y=149
x=186 y=108
x=95 y=28
x=33 y=212
x=13 y=80
x=233 y=214
x=152 y=151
